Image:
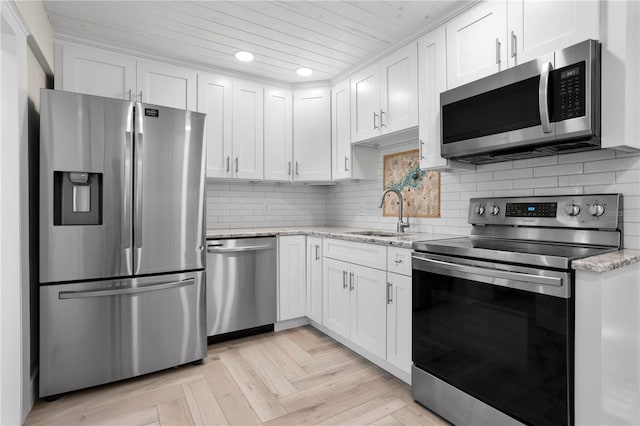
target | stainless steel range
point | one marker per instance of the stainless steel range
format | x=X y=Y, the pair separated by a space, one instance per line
x=493 y=313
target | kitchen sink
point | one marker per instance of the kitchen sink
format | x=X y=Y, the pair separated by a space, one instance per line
x=377 y=233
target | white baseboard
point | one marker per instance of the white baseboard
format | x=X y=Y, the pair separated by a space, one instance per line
x=292 y=323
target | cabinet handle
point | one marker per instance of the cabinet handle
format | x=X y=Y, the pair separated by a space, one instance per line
x=398 y=261
x=351 y=276
x=344 y=279
x=297 y=169
x=141 y=96
x=514 y=45
x=228 y=158
x=389 y=293
x=498 y=51
x=381 y=120
x=420 y=148
x=317 y=252
x=374 y=120
x=289 y=168
x=346 y=163
x=237 y=164
x=130 y=94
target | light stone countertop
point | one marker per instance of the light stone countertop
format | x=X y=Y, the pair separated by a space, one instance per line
x=404 y=241
x=608 y=261
x=601 y=263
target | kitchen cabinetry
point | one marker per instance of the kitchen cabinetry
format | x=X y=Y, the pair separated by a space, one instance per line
x=312 y=135
x=278 y=137
x=292 y=298
x=215 y=99
x=536 y=28
x=103 y=73
x=476 y=43
x=432 y=77
x=384 y=96
x=314 y=279
x=399 y=321
x=349 y=161
x=248 y=145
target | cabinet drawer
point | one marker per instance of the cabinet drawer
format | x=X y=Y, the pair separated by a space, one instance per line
x=371 y=255
x=399 y=260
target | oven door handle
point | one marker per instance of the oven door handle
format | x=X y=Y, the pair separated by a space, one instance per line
x=553 y=286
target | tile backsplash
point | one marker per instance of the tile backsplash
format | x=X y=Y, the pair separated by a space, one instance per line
x=242 y=205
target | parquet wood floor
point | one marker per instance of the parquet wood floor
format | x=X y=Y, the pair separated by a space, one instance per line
x=293 y=377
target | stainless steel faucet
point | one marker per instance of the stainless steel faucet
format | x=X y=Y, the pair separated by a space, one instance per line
x=401 y=223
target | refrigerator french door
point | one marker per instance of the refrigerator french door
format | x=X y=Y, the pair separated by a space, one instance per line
x=122 y=248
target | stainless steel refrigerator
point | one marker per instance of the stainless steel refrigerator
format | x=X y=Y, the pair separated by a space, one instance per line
x=122 y=245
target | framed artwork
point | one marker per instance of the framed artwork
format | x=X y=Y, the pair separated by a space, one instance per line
x=420 y=189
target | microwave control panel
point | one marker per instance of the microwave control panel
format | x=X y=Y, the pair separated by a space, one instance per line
x=568 y=92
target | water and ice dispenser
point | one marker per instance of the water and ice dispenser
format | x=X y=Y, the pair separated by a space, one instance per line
x=77 y=198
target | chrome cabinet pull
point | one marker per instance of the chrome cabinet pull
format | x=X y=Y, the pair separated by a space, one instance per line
x=374 y=120
x=344 y=279
x=351 y=277
x=543 y=97
x=398 y=261
x=421 y=149
x=389 y=293
x=498 y=51
x=289 y=168
x=317 y=250
x=381 y=121
x=297 y=169
x=130 y=94
x=237 y=164
x=514 y=45
x=346 y=163
x=228 y=158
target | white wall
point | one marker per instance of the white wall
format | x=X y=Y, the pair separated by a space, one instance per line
x=35 y=16
x=242 y=205
x=602 y=171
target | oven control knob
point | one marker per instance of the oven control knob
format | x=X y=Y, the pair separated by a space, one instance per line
x=479 y=209
x=596 y=209
x=572 y=209
x=495 y=210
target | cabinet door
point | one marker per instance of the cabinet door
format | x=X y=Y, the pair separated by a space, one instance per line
x=365 y=104
x=248 y=146
x=399 y=89
x=399 y=321
x=476 y=43
x=368 y=309
x=335 y=300
x=166 y=85
x=278 y=140
x=314 y=279
x=215 y=99
x=566 y=23
x=97 y=72
x=292 y=284
x=341 y=130
x=312 y=134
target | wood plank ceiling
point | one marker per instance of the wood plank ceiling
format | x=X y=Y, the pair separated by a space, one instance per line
x=329 y=37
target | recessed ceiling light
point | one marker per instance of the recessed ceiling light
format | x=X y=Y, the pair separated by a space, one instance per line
x=304 y=72
x=244 y=56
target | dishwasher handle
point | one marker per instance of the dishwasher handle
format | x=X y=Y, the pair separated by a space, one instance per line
x=221 y=249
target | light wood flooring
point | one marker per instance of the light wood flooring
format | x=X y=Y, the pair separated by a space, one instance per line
x=293 y=377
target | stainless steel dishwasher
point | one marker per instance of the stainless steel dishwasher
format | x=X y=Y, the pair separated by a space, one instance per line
x=241 y=284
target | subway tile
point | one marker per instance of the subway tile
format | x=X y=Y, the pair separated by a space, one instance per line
x=514 y=193
x=573 y=190
x=587 y=179
x=612 y=165
x=513 y=174
x=505 y=165
x=540 y=182
x=496 y=185
x=562 y=169
x=581 y=157
x=535 y=162
x=627 y=176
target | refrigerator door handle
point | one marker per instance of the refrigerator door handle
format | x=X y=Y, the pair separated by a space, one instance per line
x=137 y=225
x=123 y=291
x=126 y=201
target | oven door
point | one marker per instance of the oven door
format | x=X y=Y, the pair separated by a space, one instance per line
x=500 y=333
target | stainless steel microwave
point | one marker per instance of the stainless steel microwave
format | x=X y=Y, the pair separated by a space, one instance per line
x=547 y=106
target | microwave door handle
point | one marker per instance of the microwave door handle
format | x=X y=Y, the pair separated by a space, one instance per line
x=543 y=97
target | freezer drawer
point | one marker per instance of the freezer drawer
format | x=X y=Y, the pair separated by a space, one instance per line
x=241 y=284
x=102 y=331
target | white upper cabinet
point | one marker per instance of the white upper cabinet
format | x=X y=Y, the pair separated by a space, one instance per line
x=312 y=135
x=384 y=96
x=341 y=130
x=166 y=85
x=215 y=99
x=399 y=90
x=278 y=140
x=539 y=27
x=248 y=137
x=96 y=72
x=477 y=43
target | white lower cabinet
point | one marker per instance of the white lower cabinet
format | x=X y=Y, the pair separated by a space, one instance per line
x=336 y=307
x=292 y=297
x=314 y=279
x=399 y=321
